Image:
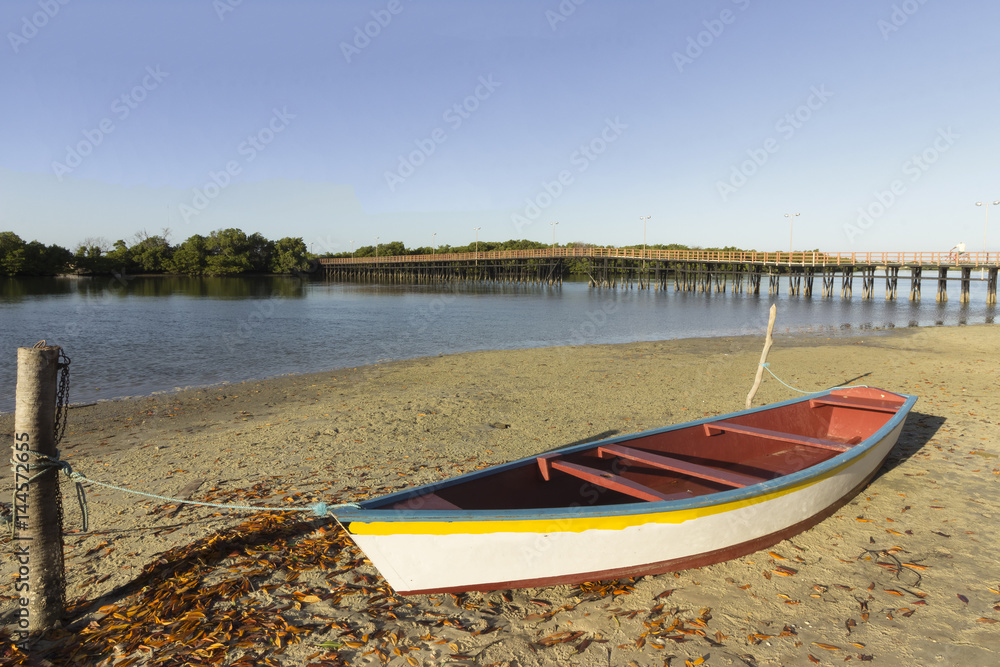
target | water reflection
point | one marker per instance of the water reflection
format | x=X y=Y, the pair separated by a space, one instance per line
x=122 y=286
x=15 y=289
x=135 y=335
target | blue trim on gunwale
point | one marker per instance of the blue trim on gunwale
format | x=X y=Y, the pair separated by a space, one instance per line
x=373 y=514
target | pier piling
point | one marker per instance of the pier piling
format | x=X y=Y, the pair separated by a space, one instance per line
x=942 y=285
x=915 y=276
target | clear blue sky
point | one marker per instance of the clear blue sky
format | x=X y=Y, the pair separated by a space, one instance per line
x=716 y=118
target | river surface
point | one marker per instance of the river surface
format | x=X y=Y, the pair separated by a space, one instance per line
x=136 y=336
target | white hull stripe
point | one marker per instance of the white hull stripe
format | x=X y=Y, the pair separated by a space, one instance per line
x=428 y=555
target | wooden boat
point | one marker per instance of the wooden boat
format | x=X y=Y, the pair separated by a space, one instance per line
x=657 y=501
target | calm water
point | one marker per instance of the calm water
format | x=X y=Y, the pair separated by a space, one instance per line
x=139 y=336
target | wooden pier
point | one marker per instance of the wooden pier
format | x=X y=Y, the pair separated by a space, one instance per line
x=687 y=270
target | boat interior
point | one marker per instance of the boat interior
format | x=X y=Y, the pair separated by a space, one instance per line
x=734 y=452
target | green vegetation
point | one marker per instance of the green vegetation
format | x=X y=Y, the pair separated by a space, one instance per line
x=227 y=252
x=573 y=266
x=222 y=253
x=396 y=248
x=30 y=259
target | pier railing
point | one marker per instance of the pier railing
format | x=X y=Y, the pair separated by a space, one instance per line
x=799 y=258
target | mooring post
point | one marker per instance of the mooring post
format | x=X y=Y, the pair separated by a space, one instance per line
x=38 y=544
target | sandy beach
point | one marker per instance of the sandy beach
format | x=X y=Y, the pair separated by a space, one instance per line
x=908 y=573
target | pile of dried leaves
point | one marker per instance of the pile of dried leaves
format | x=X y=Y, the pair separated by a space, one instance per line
x=237 y=597
x=200 y=603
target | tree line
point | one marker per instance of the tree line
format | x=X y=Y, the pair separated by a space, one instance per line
x=224 y=252
x=221 y=253
x=395 y=248
x=573 y=266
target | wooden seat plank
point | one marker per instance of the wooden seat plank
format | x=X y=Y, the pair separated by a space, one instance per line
x=714 y=428
x=543 y=464
x=609 y=480
x=874 y=404
x=727 y=477
x=428 y=501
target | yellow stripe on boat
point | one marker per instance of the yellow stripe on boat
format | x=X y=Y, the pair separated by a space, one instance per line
x=579 y=524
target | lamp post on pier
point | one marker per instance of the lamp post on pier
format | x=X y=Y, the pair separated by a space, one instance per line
x=791 y=229
x=644 y=219
x=376 y=249
x=433 y=248
x=476 y=229
x=986 y=223
x=554 y=233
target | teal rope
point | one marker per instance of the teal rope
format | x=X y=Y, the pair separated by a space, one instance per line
x=318 y=509
x=47 y=464
x=767 y=367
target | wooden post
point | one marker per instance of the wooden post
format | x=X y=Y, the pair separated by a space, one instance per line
x=942 y=290
x=867 y=282
x=763 y=355
x=38 y=544
x=891 y=281
x=915 y=276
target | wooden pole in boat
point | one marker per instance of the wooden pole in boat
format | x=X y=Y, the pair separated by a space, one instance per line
x=763 y=355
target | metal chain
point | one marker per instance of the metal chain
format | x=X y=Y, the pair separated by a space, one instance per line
x=61 y=563
x=62 y=397
x=59 y=430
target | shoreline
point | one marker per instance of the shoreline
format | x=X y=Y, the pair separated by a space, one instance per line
x=789 y=335
x=242 y=340
x=340 y=435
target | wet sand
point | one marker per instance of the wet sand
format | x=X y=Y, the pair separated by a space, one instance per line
x=906 y=573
